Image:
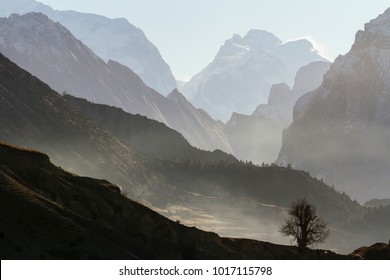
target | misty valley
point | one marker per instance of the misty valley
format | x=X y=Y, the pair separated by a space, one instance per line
x=105 y=155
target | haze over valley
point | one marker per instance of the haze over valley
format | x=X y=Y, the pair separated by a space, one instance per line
x=104 y=154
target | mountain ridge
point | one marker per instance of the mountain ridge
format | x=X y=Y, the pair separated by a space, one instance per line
x=69 y=66
x=114 y=39
x=243 y=71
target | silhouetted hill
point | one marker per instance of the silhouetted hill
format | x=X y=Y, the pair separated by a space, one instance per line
x=378 y=251
x=47 y=213
x=148 y=136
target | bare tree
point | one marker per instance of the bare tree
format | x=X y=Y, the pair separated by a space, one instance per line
x=303 y=225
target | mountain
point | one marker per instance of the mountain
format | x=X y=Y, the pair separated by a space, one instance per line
x=258 y=137
x=50 y=52
x=110 y=39
x=47 y=213
x=341 y=130
x=147 y=136
x=225 y=196
x=282 y=99
x=35 y=116
x=242 y=72
x=377 y=251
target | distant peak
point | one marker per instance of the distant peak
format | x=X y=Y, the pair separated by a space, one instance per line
x=32 y=19
x=236 y=37
x=30 y=15
x=380 y=24
x=38 y=23
x=258 y=34
x=261 y=38
x=300 y=43
x=376 y=33
x=254 y=39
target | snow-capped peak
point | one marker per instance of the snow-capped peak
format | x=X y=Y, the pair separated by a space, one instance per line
x=261 y=39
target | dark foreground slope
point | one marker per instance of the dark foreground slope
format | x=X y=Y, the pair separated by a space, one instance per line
x=47 y=213
x=377 y=251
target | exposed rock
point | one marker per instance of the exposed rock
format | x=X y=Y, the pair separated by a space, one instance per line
x=341 y=130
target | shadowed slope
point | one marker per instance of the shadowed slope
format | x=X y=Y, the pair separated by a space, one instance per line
x=47 y=213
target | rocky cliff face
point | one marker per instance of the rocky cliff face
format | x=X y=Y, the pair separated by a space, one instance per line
x=282 y=99
x=110 y=39
x=341 y=130
x=241 y=74
x=50 y=52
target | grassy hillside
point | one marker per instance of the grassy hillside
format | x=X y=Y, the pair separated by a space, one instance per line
x=47 y=213
x=262 y=195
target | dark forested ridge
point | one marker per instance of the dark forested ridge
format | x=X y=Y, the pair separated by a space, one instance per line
x=148 y=136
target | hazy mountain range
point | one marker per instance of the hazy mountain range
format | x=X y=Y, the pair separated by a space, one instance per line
x=212 y=191
x=53 y=54
x=99 y=119
x=110 y=39
x=243 y=71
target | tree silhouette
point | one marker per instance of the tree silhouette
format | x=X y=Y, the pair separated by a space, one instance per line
x=303 y=225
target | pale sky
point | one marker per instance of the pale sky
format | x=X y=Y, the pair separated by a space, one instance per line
x=189 y=33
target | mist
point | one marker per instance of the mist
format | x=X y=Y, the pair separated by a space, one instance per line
x=265 y=123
